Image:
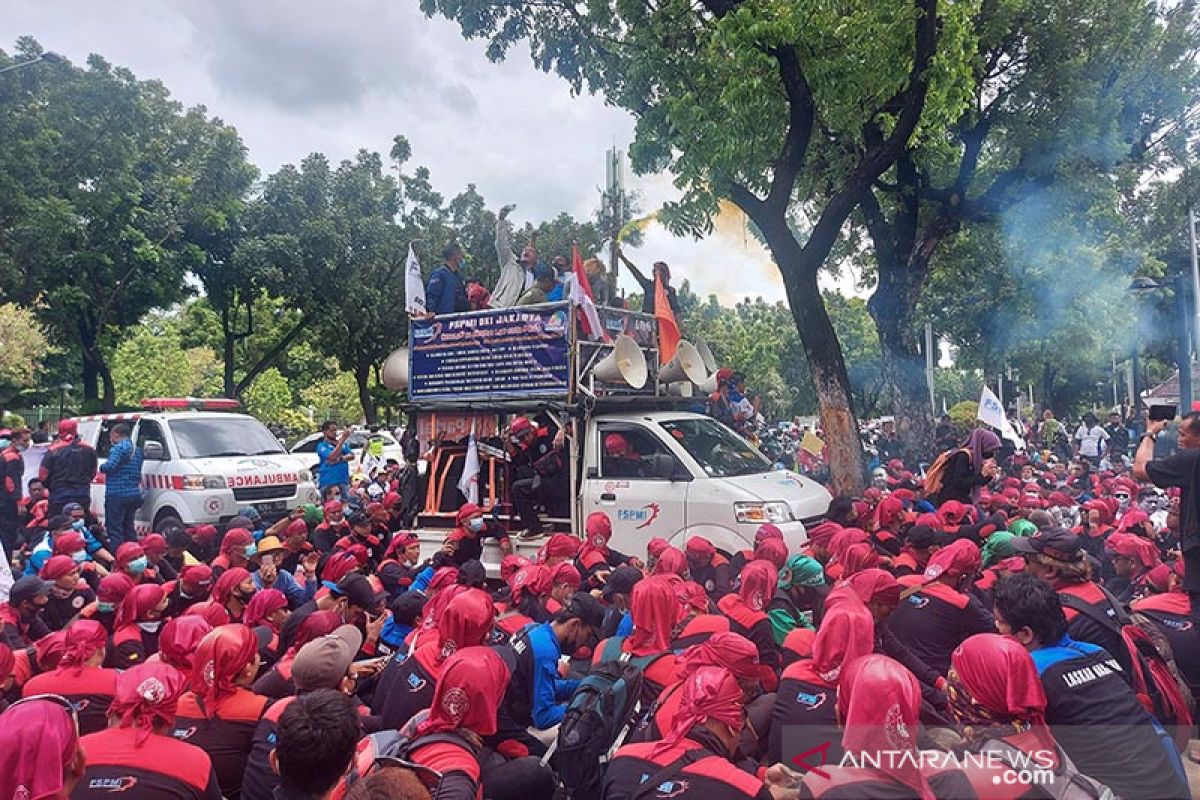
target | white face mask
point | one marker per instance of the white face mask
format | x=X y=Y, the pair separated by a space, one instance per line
x=150 y=627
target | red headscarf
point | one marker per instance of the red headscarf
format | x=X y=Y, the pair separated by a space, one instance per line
x=330 y=508
x=7 y=662
x=559 y=545
x=692 y=595
x=67 y=430
x=314 y=626
x=698 y=547
x=858 y=557
x=230 y=579
x=889 y=513
x=147 y=695
x=773 y=550
x=442 y=577
x=127 y=552
x=822 y=534
x=875 y=585
x=723 y=649
x=757 y=584
x=951 y=513
x=338 y=566
x=154 y=544
x=595 y=547
x=535 y=579
x=203 y=533
x=1001 y=677
x=566 y=573
x=235 y=541
x=510 y=564
x=465 y=622
x=141 y=600
x=210 y=611
x=671 y=561
x=263 y=605
x=843 y=539
x=709 y=693
x=69 y=542
x=37 y=741
x=196 y=575
x=468 y=693
x=960 y=557
x=656 y=545
x=654 y=609
x=178 y=640
x=48 y=650
x=767 y=532
x=1102 y=508
x=879 y=702
x=847 y=632
x=1142 y=551
x=799 y=642
x=220 y=658
x=1133 y=518
x=84 y=638
x=113 y=587
x=56 y=567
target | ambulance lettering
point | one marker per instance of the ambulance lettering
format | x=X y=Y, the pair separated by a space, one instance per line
x=242 y=481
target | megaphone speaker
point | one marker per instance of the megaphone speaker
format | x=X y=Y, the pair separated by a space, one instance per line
x=706 y=355
x=685 y=366
x=394 y=372
x=625 y=364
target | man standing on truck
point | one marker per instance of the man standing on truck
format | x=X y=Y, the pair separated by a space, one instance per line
x=68 y=469
x=334 y=469
x=446 y=292
x=516 y=277
x=122 y=486
x=537 y=470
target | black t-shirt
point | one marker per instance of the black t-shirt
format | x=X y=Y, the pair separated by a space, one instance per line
x=936 y=620
x=803 y=718
x=1180 y=470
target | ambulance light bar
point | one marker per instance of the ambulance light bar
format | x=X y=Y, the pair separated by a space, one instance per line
x=192 y=403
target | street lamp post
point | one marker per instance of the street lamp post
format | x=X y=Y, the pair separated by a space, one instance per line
x=63 y=388
x=1139 y=288
x=48 y=57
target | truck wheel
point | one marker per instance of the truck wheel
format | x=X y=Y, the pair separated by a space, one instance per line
x=167 y=523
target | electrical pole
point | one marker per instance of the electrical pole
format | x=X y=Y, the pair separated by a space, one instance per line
x=930 y=363
x=614 y=201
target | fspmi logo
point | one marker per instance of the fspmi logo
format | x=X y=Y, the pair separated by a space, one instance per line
x=644 y=515
x=811 y=699
x=666 y=789
x=113 y=785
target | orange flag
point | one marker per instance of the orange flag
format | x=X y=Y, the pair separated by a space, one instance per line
x=668 y=330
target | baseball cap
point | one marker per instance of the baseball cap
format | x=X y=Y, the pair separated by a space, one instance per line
x=586 y=608
x=924 y=536
x=1057 y=543
x=27 y=588
x=358 y=590
x=621 y=581
x=59 y=522
x=322 y=663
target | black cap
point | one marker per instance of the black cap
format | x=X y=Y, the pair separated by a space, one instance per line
x=390 y=575
x=358 y=590
x=407 y=608
x=587 y=608
x=622 y=580
x=59 y=522
x=27 y=588
x=923 y=536
x=472 y=573
x=358 y=517
x=1057 y=543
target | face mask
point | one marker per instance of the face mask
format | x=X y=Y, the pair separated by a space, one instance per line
x=106 y=608
x=150 y=627
x=244 y=596
x=251 y=550
x=138 y=565
x=79 y=556
x=475 y=525
x=79 y=525
x=5 y=443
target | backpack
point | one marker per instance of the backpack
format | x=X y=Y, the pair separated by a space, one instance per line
x=1068 y=784
x=392 y=748
x=935 y=475
x=601 y=712
x=1155 y=679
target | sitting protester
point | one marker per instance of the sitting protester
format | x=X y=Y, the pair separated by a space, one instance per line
x=79 y=676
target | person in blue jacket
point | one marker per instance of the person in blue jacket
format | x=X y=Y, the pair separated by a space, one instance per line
x=537 y=694
x=446 y=292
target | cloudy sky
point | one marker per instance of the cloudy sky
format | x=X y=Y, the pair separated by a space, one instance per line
x=296 y=76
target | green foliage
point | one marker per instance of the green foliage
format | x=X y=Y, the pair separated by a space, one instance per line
x=269 y=396
x=335 y=398
x=153 y=363
x=23 y=347
x=964 y=414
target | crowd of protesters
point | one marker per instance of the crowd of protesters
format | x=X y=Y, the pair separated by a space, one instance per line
x=992 y=626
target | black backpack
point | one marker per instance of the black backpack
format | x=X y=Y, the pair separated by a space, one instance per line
x=393 y=748
x=603 y=710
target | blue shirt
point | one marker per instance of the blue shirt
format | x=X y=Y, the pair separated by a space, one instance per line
x=123 y=470
x=45 y=548
x=285 y=582
x=446 y=292
x=332 y=474
x=550 y=691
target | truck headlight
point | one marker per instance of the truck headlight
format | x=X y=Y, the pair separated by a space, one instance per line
x=758 y=513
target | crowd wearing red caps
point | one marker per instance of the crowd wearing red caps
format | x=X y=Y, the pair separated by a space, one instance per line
x=991 y=626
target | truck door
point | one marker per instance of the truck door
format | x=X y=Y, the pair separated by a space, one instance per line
x=640 y=505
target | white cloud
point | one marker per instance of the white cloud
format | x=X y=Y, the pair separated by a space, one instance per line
x=297 y=76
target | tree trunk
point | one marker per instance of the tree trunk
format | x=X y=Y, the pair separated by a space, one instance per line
x=110 y=389
x=228 y=339
x=89 y=349
x=91 y=380
x=362 y=375
x=825 y=362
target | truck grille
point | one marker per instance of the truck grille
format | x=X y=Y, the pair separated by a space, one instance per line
x=250 y=494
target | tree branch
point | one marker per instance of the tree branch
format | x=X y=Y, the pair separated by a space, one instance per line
x=801 y=113
x=270 y=356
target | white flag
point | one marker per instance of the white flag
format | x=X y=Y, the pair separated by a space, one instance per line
x=414 y=285
x=991 y=412
x=468 y=484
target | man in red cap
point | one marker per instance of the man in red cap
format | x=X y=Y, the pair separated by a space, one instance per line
x=465 y=542
x=193 y=586
x=68 y=468
x=539 y=477
x=620 y=460
x=708 y=568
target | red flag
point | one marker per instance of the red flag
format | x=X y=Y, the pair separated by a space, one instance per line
x=668 y=330
x=581 y=296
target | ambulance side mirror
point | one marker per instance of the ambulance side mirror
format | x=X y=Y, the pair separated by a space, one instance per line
x=153 y=451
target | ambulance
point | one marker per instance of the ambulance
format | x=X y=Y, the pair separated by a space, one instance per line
x=201 y=463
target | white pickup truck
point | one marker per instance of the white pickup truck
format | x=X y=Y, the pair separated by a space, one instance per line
x=691 y=476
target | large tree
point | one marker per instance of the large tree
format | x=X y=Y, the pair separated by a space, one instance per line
x=1065 y=93
x=780 y=107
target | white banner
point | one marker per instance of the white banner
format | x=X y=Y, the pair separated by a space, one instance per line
x=414 y=285
x=992 y=413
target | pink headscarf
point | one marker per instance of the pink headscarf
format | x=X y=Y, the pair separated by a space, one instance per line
x=37 y=740
x=263 y=605
x=147 y=695
x=708 y=693
x=655 y=610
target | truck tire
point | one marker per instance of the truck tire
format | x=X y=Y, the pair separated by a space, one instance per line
x=167 y=522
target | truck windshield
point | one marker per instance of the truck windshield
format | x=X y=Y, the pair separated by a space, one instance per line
x=720 y=452
x=226 y=436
